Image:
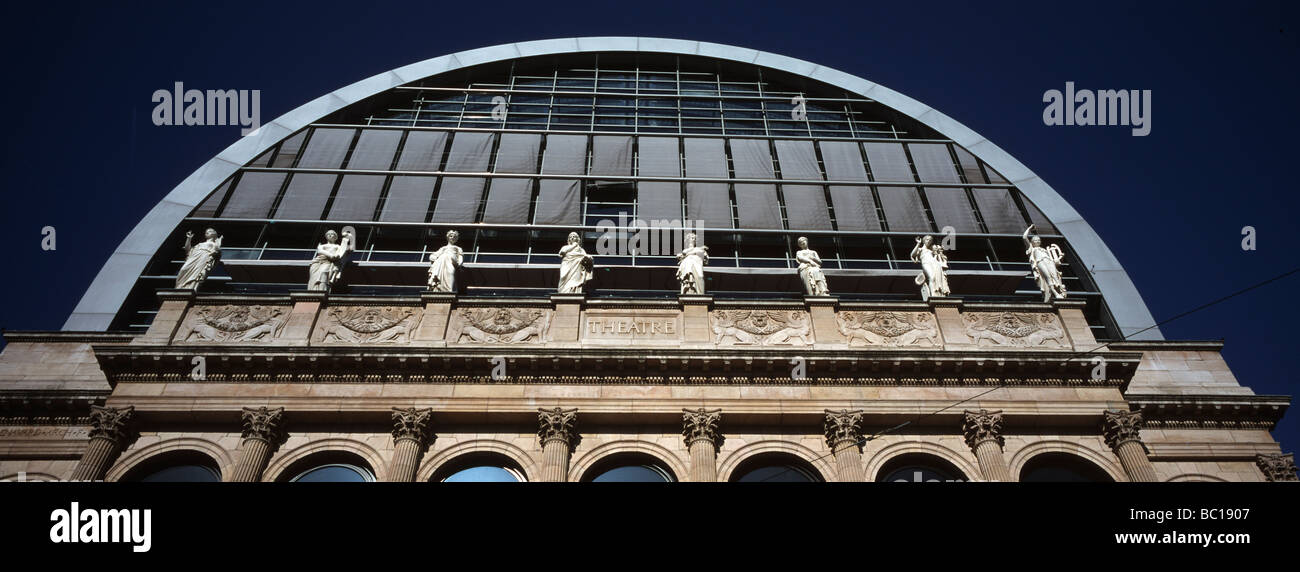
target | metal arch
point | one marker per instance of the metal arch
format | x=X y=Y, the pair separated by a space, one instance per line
x=109 y=290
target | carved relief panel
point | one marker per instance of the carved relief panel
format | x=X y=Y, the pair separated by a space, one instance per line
x=761 y=327
x=367 y=324
x=888 y=329
x=498 y=325
x=1015 y=329
x=232 y=323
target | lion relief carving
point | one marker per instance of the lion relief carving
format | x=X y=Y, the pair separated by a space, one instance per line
x=760 y=327
x=369 y=324
x=234 y=323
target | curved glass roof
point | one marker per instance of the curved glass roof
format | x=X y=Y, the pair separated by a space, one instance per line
x=515 y=152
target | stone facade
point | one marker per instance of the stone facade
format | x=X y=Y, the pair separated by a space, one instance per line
x=411 y=387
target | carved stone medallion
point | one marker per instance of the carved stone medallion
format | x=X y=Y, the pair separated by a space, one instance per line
x=369 y=324
x=1019 y=329
x=761 y=327
x=891 y=329
x=499 y=325
x=233 y=323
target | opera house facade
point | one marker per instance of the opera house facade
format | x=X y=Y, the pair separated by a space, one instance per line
x=620 y=259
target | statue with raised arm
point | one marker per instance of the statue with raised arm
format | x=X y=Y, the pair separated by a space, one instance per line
x=575 y=266
x=810 y=270
x=690 y=266
x=1046 y=262
x=443 y=264
x=933 y=278
x=327 y=266
x=199 y=259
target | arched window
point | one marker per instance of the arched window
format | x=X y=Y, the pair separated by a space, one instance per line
x=775 y=468
x=329 y=467
x=1062 y=468
x=629 y=468
x=175 y=467
x=918 y=468
x=480 y=468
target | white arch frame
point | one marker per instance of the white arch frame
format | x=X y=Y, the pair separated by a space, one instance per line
x=106 y=294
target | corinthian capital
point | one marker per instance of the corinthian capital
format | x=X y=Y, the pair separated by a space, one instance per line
x=700 y=424
x=112 y=423
x=983 y=425
x=264 y=424
x=843 y=426
x=556 y=424
x=413 y=424
x=1119 y=427
x=1277 y=467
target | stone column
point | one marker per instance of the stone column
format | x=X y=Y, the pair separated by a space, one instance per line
x=411 y=434
x=110 y=430
x=844 y=435
x=1277 y=468
x=983 y=432
x=700 y=429
x=1121 y=429
x=263 y=432
x=557 y=435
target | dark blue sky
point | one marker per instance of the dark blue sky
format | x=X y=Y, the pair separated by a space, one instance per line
x=81 y=154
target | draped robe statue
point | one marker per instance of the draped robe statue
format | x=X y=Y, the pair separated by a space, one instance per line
x=443 y=264
x=1046 y=262
x=327 y=267
x=575 y=266
x=810 y=270
x=199 y=259
x=690 y=266
x=933 y=278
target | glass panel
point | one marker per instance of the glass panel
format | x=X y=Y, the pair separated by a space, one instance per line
x=357 y=197
x=253 y=195
x=559 y=201
x=776 y=474
x=326 y=148
x=1001 y=215
x=183 y=474
x=933 y=163
x=518 y=152
x=611 y=155
x=888 y=162
x=903 y=209
x=855 y=207
x=210 y=205
x=662 y=201
x=470 y=152
x=289 y=150
x=306 y=196
x=422 y=151
x=565 y=155
x=332 y=474
x=658 y=157
x=632 y=474
x=408 y=199
x=482 y=475
x=805 y=207
x=458 y=199
x=952 y=208
x=375 y=149
x=970 y=167
x=508 y=201
x=705 y=157
x=757 y=206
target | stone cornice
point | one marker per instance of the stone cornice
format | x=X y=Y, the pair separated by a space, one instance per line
x=48 y=406
x=32 y=336
x=1211 y=411
x=1168 y=345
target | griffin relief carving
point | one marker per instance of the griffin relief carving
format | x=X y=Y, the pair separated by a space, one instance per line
x=369 y=324
x=761 y=327
x=1021 y=329
x=892 y=329
x=234 y=323
x=500 y=325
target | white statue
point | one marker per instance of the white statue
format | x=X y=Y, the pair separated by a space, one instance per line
x=327 y=266
x=810 y=270
x=199 y=259
x=933 y=278
x=443 y=265
x=575 y=266
x=690 y=266
x=1046 y=262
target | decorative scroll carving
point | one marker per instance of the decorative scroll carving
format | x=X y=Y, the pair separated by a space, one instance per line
x=761 y=327
x=501 y=325
x=412 y=424
x=112 y=423
x=1119 y=427
x=843 y=427
x=369 y=324
x=891 y=329
x=701 y=424
x=983 y=425
x=1277 y=467
x=264 y=424
x=556 y=424
x=1021 y=329
x=235 y=323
